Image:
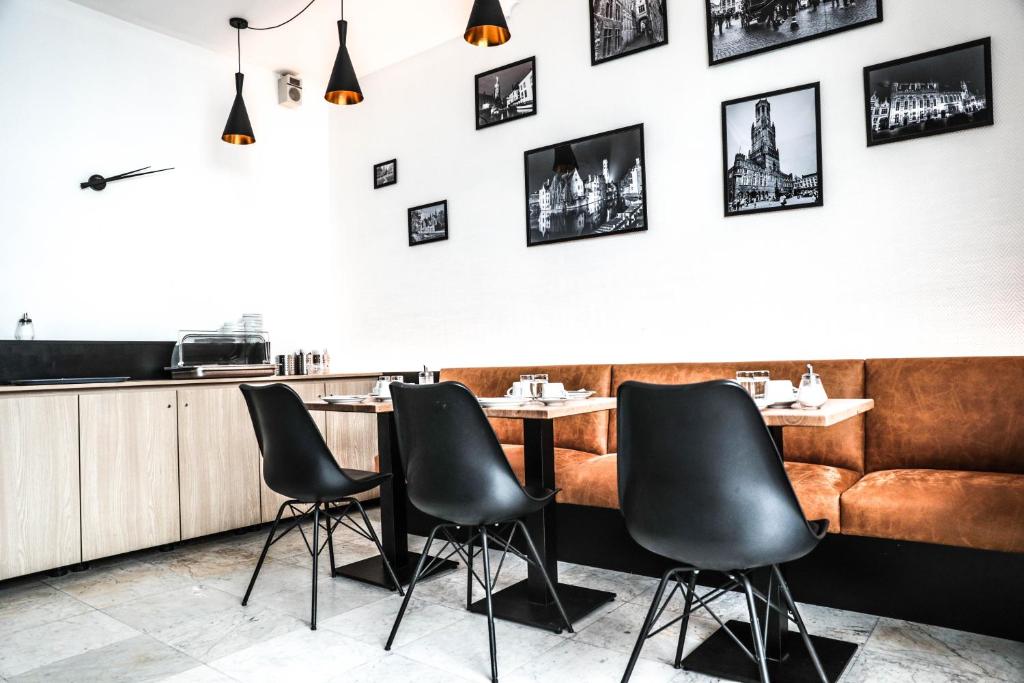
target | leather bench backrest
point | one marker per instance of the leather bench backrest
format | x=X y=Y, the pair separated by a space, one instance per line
x=839 y=446
x=946 y=414
x=580 y=432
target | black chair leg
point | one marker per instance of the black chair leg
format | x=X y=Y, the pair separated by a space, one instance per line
x=755 y=629
x=330 y=539
x=788 y=597
x=412 y=587
x=648 y=623
x=691 y=586
x=380 y=549
x=544 y=571
x=316 y=555
x=263 y=555
x=490 y=607
x=469 y=570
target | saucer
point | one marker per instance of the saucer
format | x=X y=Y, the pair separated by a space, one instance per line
x=375 y=397
x=554 y=401
x=582 y=394
x=502 y=401
x=783 y=404
x=336 y=399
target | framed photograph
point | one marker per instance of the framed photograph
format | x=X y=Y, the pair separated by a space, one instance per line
x=506 y=93
x=385 y=173
x=928 y=94
x=623 y=27
x=428 y=223
x=741 y=28
x=771 y=151
x=588 y=187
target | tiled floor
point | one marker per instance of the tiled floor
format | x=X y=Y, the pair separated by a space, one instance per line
x=176 y=616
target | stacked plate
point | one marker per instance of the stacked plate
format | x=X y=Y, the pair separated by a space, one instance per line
x=502 y=401
x=345 y=398
x=578 y=394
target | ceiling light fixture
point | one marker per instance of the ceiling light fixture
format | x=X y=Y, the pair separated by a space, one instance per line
x=487 y=26
x=238 y=130
x=343 y=88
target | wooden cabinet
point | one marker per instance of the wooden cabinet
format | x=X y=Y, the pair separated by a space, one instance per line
x=271 y=501
x=219 y=462
x=352 y=437
x=40 y=525
x=129 y=471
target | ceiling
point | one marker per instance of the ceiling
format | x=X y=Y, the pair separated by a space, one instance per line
x=381 y=32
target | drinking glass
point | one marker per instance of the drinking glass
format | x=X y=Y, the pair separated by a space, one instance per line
x=528 y=383
x=754 y=382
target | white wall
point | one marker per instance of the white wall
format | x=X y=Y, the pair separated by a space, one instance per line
x=917 y=250
x=231 y=230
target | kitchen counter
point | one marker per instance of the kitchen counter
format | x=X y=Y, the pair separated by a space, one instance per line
x=170 y=383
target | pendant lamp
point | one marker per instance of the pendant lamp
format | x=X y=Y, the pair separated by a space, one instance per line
x=238 y=130
x=565 y=160
x=343 y=88
x=487 y=26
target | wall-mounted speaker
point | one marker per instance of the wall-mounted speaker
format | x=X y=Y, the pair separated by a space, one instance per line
x=289 y=91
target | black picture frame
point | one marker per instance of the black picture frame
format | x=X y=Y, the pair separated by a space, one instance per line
x=710 y=25
x=479 y=97
x=926 y=129
x=638 y=129
x=820 y=187
x=377 y=184
x=595 y=60
x=412 y=214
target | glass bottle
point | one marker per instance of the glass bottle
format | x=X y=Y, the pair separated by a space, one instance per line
x=25 y=331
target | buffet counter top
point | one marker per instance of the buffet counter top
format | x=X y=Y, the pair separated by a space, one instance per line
x=166 y=383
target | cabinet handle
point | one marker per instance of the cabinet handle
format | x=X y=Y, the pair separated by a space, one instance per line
x=169 y=405
x=186 y=405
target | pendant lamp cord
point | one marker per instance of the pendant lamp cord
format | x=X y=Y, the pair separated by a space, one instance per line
x=271 y=28
x=239 y=32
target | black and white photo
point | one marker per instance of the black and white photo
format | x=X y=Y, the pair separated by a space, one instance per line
x=506 y=93
x=740 y=28
x=927 y=94
x=624 y=27
x=428 y=223
x=771 y=146
x=588 y=187
x=385 y=173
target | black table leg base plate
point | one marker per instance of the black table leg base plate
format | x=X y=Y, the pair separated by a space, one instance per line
x=720 y=657
x=372 y=571
x=513 y=604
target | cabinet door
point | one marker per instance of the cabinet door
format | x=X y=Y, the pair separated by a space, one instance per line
x=129 y=461
x=218 y=461
x=271 y=501
x=40 y=524
x=353 y=437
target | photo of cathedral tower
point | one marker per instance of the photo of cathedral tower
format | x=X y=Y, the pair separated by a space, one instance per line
x=772 y=151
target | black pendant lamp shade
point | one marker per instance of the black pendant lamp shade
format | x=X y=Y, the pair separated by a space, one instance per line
x=565 y=160
x=238 y=130
x=343 y=88
x=487 y=26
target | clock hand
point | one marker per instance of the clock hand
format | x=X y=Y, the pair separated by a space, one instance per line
x=98 y=182
x=127 y=173
x=136 y=175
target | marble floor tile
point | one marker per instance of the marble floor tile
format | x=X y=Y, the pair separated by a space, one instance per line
x=26 y=604
x=106 y=586
x=625 y=586
x=572 y=660
x=274 y=576
x=207 y=560
x=876 y=666
x=395 y=667
x=222 y=633
x=42 y=645
x=372 y=623
x=155 y=613
x=309 y=656
x=462 y=648
x=853 y=627
x=334 y=596
x=134 y=660
x=199 y=674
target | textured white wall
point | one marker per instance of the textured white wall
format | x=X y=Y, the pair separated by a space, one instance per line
x=917 y=250
x=232 y=229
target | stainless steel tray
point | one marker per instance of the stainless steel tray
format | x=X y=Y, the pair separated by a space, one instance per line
x=220 y=371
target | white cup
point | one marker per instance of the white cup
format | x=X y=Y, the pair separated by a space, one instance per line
x=382 y=388
x=516 y=391
x=552 y=390
x=779 y=391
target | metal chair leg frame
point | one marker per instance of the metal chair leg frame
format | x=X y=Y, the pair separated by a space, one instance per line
x=547 y=579
x=755 y=629
x=788 y=597
x=648 y=623
x=316 y=555
x=490 y=607
x=470 y=551
x=380 y=549
x=263 y=555
x=412 y=586
x=691 y=586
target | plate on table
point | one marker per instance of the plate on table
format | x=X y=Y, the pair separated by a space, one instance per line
x=377 y=397
x=578 y=395
x=553 y=401
x=782 y=404
x=344 y=398
x=502 y=401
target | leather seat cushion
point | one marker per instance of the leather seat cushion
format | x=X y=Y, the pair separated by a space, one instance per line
x=580 y=432
x=565 y=460
x=982 y=510
x=818 y=488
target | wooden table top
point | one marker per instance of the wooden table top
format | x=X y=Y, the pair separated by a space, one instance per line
x=530 y=411
x=836 y=410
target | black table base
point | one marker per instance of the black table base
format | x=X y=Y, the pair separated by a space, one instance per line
x=720 y=657
x=513 y=604
x=371 y=570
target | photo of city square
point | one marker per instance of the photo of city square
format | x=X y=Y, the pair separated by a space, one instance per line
x=772 y=151
x=738 y=28
x=622 y=27
x=586 y=188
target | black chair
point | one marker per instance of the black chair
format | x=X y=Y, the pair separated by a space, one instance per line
x=298 y=465
x=456 y=471
x=702 y=483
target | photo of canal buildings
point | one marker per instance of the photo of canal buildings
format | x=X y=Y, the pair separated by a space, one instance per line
x=772 y=151
x=589 y=187
x=428 y=223
x=740 y=28
x=623 y=27
x=936 y=92
x=506 y=93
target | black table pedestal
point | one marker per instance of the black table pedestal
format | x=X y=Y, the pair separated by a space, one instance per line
x=514 y=604
x=371 y=570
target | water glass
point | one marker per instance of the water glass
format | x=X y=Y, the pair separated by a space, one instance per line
x=754 y=382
